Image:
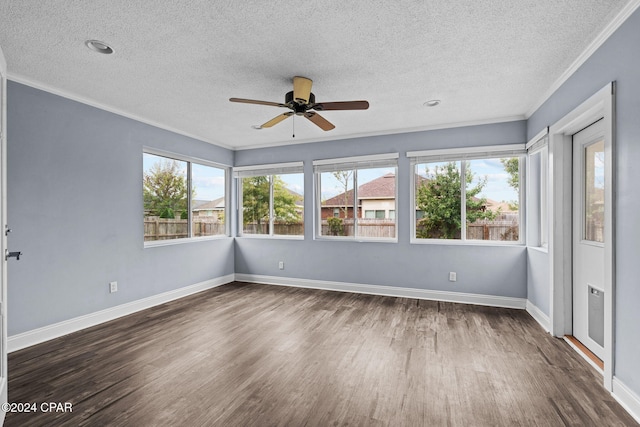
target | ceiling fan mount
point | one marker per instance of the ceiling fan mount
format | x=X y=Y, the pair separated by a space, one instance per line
x=299 y=107
x=301 y=101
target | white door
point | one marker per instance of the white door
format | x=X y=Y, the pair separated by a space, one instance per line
x=3 y=239
x=588 y=237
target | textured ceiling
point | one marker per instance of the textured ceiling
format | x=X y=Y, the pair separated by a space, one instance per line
x=176 y=63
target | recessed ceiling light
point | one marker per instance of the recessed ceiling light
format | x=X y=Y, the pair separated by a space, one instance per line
x=98 y=46
x=432 y=103
x=256 y=127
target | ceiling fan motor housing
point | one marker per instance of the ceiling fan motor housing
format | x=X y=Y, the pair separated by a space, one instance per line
x=296 y=106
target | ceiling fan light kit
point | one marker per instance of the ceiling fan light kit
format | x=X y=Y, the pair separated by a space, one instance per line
x=301 y=101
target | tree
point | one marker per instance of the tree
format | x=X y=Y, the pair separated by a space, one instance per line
x=439 y=197
x=255 y=201
x=512 y=167
x=165 y=190
x=344 y=178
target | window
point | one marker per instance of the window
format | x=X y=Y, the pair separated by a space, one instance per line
x=538 y=172
x=468 y=195
x=355 y=195
x=182 y=199
x=272 y=198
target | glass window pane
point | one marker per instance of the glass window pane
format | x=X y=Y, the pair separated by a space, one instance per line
x=369 y=214
x=492 y=199
x=164 y=185
x=594 y=192
x=288 y=204
x=255 y=205
x=376 y=193
x=438 y=200
x=207 y=200
x=336 y=192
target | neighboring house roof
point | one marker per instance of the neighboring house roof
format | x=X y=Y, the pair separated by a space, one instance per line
x=208 y=205
x=383 y=187
x=380 y=188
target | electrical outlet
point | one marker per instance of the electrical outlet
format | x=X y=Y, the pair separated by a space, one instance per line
x=281 y=265
x=113 y=287
x=452 y=276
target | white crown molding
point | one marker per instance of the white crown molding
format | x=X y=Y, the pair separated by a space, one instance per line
x=92 y=103
x=627 y=398
x=46 y=333
x=539 y=316
x=620 y=18
x=392 y=291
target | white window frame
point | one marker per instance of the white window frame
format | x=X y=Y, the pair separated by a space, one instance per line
x=461 y=155
x=269 y=170
x=352 y=163
x=227 y=199
x=539 y=145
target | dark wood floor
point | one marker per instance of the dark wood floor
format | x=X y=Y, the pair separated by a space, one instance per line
x=258 y=355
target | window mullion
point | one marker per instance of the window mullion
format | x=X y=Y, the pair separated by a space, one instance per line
x=463 y=200
x=189 y=201
x=355 y=203
x=271 y=210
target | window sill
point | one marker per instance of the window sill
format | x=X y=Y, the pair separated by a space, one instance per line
x=270 y=237
x=171 y=242
x=354 y=239
x=496 y=243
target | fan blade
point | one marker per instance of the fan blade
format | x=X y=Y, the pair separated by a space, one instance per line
x=253 y=101
x=320 y=121
x=276 y=120
x=342 y=105
x=301 y=89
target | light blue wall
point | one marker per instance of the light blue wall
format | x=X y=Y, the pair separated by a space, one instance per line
x=488 y=270
x=616 y=60
x=75 y=208
x=538 y=290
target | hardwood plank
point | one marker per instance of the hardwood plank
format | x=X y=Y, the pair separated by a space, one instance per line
x=255 y=355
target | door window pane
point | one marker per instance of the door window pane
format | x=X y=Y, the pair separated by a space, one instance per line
x=594 y=192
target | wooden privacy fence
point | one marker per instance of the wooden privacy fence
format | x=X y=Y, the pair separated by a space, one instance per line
x=295 y=229
x=493 y=230
x=367 y=227
x=164 y=229
x=168 y=228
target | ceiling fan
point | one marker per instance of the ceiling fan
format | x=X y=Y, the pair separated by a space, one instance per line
x=301 y=101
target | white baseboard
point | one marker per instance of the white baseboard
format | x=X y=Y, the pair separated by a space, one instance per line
x=46 y=333
x=539 y=316
x=627 y=398
x=459 y=297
